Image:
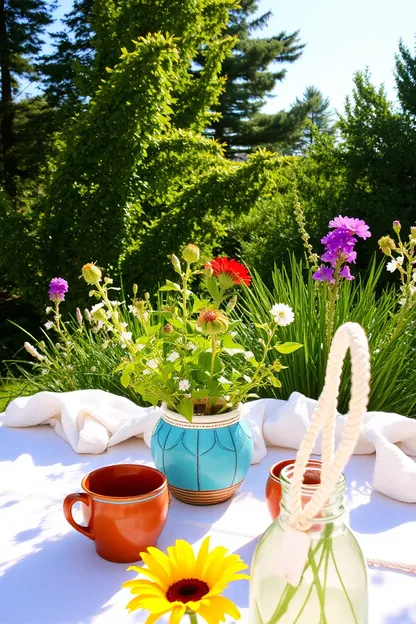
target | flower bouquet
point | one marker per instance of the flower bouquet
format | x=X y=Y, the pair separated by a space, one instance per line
x=186 y=359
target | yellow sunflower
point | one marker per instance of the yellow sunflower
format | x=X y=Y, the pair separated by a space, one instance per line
x=181 y=582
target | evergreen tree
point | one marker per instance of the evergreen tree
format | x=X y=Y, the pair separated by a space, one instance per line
x=318 y=117
x=252 y=71
x=406 y=78
x=22 y=23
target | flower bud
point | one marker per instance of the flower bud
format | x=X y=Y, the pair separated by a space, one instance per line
x=209 y=271
x=79 y=316
x=87 y=315
x=135 y=289
x=413 y=232
x=386 y=244
x=397 y=226
x=167 y=328
x=212 y=321
x=91 y=273
x=176 y=264
x=231 y=304
x=191 y=253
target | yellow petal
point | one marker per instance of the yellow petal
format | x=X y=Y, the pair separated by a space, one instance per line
x=202 y=555
x=156 y=578
x=154 y=566
x=177 y=614
x=161 y=558
x=224 y=605
x=143 y=586
x=208 y=614
x=212 y=558
x=224 y=569
x=151 y=603
x=185 y=558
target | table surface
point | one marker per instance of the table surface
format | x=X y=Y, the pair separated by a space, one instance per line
x=50 y=574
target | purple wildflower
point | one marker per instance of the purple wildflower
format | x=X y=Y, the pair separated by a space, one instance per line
x=345 y=272
x=353 y=226
x=58 y=287
x=324 y=274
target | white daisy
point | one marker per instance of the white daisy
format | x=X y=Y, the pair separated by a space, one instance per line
x=152 y=364
x=283 y=314
x=49 y=325
x=172 y=357
x=184 y=385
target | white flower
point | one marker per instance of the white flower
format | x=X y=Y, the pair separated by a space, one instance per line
x=49 y=325
x=48 y=310
x=191 y=346
x=283 y=314
x=70 y=367
x=96 y=307
x=184 y=385
x=412 y=289
x=152 y=364
x=146 y=372
x=233 y=334
x=394 y=263
x=123 y=325
x=126 y=336
x=172 y=357
x=402 y=301
x=114 y=303
x=248 y=355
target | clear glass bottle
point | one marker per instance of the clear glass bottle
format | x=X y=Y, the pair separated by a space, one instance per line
x=333 y=588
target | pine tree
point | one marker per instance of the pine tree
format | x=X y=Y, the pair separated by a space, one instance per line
x=22 y=23
x=406 y=78
x=318 y=118
x=252 y=72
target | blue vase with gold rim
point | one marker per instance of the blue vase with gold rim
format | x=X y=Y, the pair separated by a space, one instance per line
x=206 y=460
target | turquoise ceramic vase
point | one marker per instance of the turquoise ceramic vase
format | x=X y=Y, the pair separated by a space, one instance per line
x=205 y=461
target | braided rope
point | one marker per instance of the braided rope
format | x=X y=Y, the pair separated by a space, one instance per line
x=349 y=336
x=410 y=568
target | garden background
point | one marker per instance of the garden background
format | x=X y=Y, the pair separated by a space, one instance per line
x=142 y=128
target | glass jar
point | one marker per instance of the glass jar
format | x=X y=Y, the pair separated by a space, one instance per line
x=333 y=587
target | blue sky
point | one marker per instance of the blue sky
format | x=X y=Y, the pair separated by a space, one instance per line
x=342 y=37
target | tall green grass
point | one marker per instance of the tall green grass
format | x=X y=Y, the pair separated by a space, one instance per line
x=89 y=359
x=393 y=360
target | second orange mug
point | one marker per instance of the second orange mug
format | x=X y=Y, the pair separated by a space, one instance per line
x=274 y=486
x=128 y=505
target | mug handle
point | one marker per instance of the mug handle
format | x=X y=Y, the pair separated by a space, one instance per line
x=69 y=501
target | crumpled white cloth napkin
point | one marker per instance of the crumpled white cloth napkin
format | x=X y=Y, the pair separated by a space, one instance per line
x=92 y=420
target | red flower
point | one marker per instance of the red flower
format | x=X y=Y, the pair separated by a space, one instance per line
x=234 y=269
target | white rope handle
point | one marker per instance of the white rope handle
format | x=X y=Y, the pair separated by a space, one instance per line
x=349 y=336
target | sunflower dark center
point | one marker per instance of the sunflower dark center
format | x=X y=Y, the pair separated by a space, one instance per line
x=186 y=590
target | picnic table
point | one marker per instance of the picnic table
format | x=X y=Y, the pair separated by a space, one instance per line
x=50 y=574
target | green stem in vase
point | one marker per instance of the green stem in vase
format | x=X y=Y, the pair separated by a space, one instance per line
x=344 y=588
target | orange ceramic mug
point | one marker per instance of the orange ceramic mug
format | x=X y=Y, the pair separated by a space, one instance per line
x=128 y=506
x=274 y=486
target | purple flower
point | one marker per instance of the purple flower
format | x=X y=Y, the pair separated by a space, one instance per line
x=339 y=245
x=345 y=272
x=58 y=287
x=351 y=225
x=324 y=274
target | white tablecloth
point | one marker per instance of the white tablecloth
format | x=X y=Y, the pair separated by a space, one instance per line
x=50 y=574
